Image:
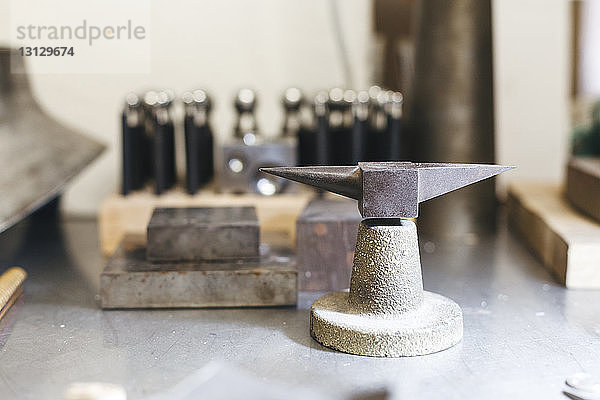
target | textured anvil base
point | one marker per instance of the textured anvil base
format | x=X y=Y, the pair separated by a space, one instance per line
x=130 y=281
x=203 y=233
x=325 y=239
x=436 y=325
x=386 y=313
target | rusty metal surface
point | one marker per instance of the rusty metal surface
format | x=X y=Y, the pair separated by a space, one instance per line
x=325 y=238
x=583 y=185
x=129 y=280
x=38 y=155
x=203 y=233
x=390 y=189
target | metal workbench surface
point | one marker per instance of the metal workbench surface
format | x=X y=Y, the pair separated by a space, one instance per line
x=523 y=333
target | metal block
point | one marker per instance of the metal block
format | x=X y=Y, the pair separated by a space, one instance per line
x=202 y=234
x=238 y=164
x=583 y=185
x=325 y=239
x=131 y=281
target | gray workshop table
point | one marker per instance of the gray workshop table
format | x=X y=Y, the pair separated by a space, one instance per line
x=524 y=334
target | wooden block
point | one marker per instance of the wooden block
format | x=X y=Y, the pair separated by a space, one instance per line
x=583 y=185
x=567 y=242
x=202 y=234
x=120 y=215
x=325 y=239
x=130 y=281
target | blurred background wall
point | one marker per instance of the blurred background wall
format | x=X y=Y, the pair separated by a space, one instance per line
x=588 y=39
x=270 y=44
x=532 y=63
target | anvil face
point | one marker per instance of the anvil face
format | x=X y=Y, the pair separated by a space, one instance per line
x=390 y=189
x=389 y=192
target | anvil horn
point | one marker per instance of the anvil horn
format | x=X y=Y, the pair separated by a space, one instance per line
x=346 y=181
x=438 y=179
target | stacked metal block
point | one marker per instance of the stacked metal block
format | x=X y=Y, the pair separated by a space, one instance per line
x=199 y=257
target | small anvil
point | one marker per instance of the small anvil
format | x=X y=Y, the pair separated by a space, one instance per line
x=386 y=312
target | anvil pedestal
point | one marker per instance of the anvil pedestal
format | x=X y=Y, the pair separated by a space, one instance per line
x=386 y=313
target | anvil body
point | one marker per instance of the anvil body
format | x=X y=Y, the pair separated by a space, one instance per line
x=390 y=189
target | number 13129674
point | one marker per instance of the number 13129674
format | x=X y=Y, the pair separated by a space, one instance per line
x=46 y=51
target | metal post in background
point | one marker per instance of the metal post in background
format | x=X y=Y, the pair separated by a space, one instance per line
x=451 y=109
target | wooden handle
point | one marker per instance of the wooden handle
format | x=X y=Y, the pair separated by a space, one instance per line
x=11 y=286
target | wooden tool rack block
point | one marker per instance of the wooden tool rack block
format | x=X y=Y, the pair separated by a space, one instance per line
x=583 y=185
x=566 y=241
x=120 y=215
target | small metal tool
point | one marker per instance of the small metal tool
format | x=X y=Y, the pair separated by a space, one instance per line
x=307 y=136
x=386 y=312
x=292 y=102
x=246 y=127
x=134 y=145
x=393 y=143
x=199 y=158
x=161 y=133
x=378 y=124
x=360 y=128
x=340 y=126
x=321 y=128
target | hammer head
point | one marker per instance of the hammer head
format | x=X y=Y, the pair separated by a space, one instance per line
x=390 y=189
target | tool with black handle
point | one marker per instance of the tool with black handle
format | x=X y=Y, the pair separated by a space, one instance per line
x=162 y=137
x=199 y=158
x=134 y=147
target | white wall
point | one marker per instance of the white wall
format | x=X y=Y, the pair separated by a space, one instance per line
x=589 y=37
x=532 y=69
x=270 y=44
x=219 y=45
